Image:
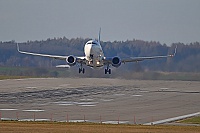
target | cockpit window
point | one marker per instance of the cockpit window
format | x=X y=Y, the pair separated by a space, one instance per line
x=93 y=43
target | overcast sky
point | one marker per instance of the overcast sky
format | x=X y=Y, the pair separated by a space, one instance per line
x=166 y=21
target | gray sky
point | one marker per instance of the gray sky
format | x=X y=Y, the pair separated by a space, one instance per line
x=166 y=21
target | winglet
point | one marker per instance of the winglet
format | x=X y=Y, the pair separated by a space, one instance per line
x=175 y=50
x=99 y=35
x=18 y=47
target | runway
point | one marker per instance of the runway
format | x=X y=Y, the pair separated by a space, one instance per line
x=97 y=99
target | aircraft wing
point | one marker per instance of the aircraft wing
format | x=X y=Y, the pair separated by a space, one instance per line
x=79 y=59
x=136 y=59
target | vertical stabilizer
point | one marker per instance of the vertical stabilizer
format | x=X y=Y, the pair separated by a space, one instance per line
x=99 y=36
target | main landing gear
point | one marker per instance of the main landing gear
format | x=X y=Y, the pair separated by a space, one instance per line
x=108 y=70
x=81 y=69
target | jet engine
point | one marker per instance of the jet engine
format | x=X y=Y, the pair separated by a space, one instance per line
x=116 y=61
x=71 y=60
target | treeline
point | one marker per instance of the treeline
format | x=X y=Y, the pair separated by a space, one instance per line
x=187 y=58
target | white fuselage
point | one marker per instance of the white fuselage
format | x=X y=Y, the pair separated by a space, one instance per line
x=94 y=54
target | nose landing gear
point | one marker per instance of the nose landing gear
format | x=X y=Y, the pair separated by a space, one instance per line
x=91 y=56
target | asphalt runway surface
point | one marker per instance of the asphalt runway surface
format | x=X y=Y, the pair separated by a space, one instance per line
x=97 y=99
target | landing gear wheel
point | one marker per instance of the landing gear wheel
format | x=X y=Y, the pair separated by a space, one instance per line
x=81 y=70
x=108 y=71
x=105 y=71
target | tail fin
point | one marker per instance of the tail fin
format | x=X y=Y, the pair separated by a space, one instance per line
x=99 y=35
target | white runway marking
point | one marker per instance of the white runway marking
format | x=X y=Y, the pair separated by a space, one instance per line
x=164 y=88
x=8 y=109
x=83 y=104
x=106 y=100
x=172 y=119
x=20 y=79
x=77 y=120
x=65 y=104
x=87 y=105
x=6 y=119
x=115 y=122
x=34 y=120
x=119 y=94
x=30 y=87
x=33 y=110
x=136 y=95
x=86 y=99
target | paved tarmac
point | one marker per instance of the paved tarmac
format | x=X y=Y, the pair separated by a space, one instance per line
x=97 y=99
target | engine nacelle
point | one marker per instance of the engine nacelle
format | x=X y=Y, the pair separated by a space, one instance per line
x=71 y=60
x=116 y=61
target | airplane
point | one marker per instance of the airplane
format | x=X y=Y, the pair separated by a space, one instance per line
x=94 y=57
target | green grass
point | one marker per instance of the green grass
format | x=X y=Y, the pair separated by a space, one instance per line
x=55 y=127
x=194 y=120
x=23 y=72
x=2 y=77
